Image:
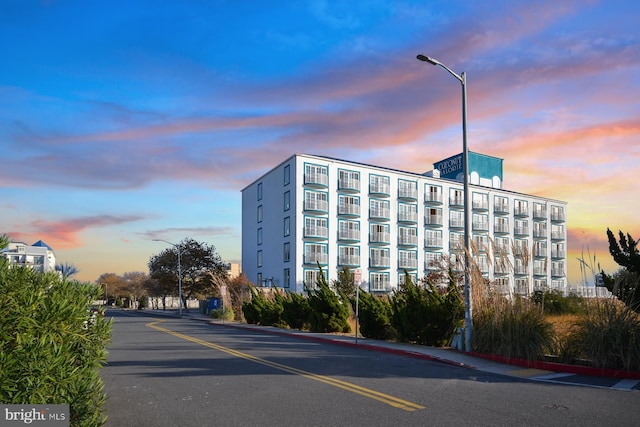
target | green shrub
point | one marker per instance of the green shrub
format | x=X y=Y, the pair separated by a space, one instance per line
x=513 y=329
x=426 y=315
x=374 y=317
x=261 y=310
x=608 y=336
x=329 y=312
x=51 y=344
x=297 y=311
x=554 y=302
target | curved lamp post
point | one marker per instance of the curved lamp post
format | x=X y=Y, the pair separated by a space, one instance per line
x=462 y=78
x=179 y=274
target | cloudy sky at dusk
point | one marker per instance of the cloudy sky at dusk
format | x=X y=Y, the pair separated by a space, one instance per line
x=125 y=121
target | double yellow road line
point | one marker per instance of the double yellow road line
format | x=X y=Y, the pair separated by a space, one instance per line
x=372 y=394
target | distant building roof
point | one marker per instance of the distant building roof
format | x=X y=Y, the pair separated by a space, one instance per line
x=42 y=244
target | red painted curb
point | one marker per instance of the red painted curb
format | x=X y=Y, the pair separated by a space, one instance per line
x=561 y=367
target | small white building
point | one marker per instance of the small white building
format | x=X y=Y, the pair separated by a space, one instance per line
x=38 y=256
x=315 y=211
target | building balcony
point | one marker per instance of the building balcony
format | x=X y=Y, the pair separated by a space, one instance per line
x=380 y=189
x=350 y=210
x=408 y=193
x=433 y=242
x=347 y=184
x=410 y=264
x=501 y=208
x=380 y=213
x=557 y=272
x=456 y=223
x=521 y=231
x=378 y=237
x=407 y=240
x=433 y=198
x=480 y=226
x=557 y=254
x=349 y=260
x=408 y=217
x=316 y=179
x=379 y=262
x=480 y=205
x=557 y=235
x=380 y=285
x=316 y=258
x=520 y=211
x=539 y=233
x=350 y=235
x=539 y=271
x=316 y=232
x=557 y=216
x=456 y=201
x=501 y=229
x=540 y=214
x=433 y=220
x=316 y=205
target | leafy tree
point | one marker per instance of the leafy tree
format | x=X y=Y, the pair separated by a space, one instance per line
x=426 y=315
x=262 y=310
x=625 y=253
x=297 y=310
x=624 y=284
x=201 y=268
x=345 y=283
x=114 y=286
x=135 y=284
x=67 y=270
x=329 y=312
x=374 y=316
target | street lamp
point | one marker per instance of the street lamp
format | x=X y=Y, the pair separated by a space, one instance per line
x=462 y=78
x=179 y=274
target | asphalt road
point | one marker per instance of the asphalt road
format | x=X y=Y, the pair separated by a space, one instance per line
x=179 y=372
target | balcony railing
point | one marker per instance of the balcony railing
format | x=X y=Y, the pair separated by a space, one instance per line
x=316 y=205
x=480 y=225
x=480 y=205
x=379 y=188
x=352 y=260
x=540 y=213
x=433 y=220
x=379 y=237
x=315 y=258
x=407 y=216
x=407 y=240
x=408 y=263
x=349 y=184
x=521 y=231
x=380 y=285
x=558 y=253
x=407 y=193
x=315 y=231
x=557 y=235
x=557 y=216
x=380 y=213
x=433 y=197
x=316 y=179
x=501 y=228
x=501 y=208
x=379 y=261
x=349 y=209
x=520 y=211
x=433 y=242
x=456 y=201
x=557 y=272
x=347 y=234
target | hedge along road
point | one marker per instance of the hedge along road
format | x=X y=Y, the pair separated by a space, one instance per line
x=181 y=372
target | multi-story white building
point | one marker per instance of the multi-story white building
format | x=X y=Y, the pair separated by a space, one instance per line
x=312 y=211
x=38 y=256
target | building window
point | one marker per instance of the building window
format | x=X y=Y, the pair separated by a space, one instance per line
x=260 y=213
x=557 y=213
x=433 y=238
x=315 y=227
x=521 y=227
x=259 y=279
x=316 y=174
x=456 y=219
x=407 y=259
x=501 y=205
x=539 y=210
x=433 y=193
x=456 y=197
x=287 y=174
x=287 y=200
x=379 y=184
x=407 y=236
x=349 y=180
x=311 y=278
x=501 y=245
x=379 y=233
x=287 y=252
x=480 y=222
x=287 y=226
x=501 y=225
x=259 y=258
x=259 y=236
x=348 y=230
x=480 y=201
x=349 y=255
x=287 y=278
x=379 y=257
x=315 y=253
x=407 y=189
x=407 y=212
x=348 y=205
x=379 y=282
x=316 y=201
x=433 y=216
x=379 y=209
x=481 y=242
x=259 y=191
x=432 y=260
x=456 y=242
x=520 y=207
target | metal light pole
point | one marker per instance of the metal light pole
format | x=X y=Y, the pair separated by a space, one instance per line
x=179 y=274
x=468 y=323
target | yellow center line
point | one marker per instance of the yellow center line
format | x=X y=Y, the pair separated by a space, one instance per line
x=376 y=395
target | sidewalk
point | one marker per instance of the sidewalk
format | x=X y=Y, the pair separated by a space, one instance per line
x=541 y=371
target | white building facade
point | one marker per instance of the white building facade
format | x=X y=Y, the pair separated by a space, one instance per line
x=311 y=212
x=39 y=256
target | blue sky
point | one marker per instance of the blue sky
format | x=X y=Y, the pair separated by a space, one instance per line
x=125 y=121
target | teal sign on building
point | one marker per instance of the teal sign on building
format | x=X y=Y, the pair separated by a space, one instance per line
x=486 y=167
